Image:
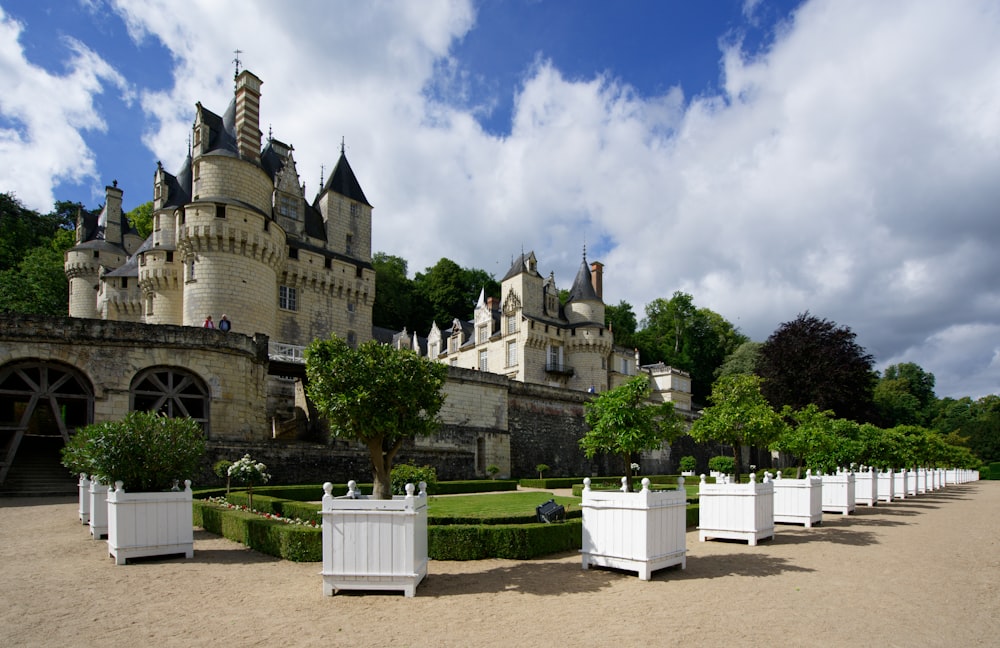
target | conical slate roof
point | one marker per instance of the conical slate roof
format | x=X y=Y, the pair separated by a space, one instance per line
x=344 y=182
x=583 y=289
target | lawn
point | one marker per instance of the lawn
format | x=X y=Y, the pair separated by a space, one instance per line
x=500 y=505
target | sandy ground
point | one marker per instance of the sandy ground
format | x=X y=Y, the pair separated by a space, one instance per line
x=924 y=571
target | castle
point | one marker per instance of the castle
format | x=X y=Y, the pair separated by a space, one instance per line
x=233 y=235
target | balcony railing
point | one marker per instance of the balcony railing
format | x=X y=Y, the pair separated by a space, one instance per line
x=281 y=352
x=559 y=368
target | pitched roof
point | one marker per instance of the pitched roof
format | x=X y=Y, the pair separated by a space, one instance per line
x=344 y=182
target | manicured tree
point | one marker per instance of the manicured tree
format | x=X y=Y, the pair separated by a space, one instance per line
x=739 y=416
x=377 y=395
x=808 y=437
x=623 y=421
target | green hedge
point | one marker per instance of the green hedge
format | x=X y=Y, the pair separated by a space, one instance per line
x=289 y=541
x=514 y=541
x=994 y=471
x=443 y=520
x=445 y=542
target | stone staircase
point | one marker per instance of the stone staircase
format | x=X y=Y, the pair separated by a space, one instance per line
x=36 y=470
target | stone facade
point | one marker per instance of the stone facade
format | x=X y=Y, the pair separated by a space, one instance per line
x=233 y=234
x=530 y=337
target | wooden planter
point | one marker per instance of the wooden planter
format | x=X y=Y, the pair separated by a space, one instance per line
x=98 y=510
x=899 y=481
x=640 y=532
x=922 y=485
x=149 y=524
x=84 y=488
x=911 y=483
x=371 y=544
x=736 y=511
x=798 y=501
x=866 y=487
x=839 y=492
x=886 y=486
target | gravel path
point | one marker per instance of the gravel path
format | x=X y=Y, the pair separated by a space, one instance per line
x=924 y=571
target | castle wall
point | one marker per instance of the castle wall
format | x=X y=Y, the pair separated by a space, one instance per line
x=111 y=354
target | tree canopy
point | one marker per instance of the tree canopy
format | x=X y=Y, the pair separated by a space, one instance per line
x=621 y=320
x=814 y=361
x=738 y=416
x=32 y=275
x=375 y=394
x=624 y=422
x=695 y=340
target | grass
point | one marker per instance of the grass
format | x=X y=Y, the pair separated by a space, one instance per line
x=500 y=505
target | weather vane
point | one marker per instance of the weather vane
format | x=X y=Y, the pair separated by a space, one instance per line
x=236 y=60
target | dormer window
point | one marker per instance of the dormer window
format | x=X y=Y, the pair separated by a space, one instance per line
x=288 y=207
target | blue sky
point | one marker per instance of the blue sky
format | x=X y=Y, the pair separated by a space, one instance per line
x=769 y=158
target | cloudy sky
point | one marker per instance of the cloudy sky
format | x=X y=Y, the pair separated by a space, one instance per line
x=768 y=157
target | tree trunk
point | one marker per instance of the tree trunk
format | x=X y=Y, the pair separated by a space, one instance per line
x=628 y=471
x=736 y=461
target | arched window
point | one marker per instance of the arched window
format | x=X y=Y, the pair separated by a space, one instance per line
x=171 y=391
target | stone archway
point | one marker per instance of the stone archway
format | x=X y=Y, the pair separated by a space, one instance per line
x=171 y=391
x=40 y=402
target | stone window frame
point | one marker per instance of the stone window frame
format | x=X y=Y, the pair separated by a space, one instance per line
x=512 y=353
x=484 y=360
x=288 y=298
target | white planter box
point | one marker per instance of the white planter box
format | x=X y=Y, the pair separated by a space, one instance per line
x=839 y=492
x=886 y=486
x=922 y=486
x=84 y=486
x=866 y=485
x=911 y=483
x=371 y=544
x=149 y=524
x=687 y=473
x=899 y=480
x=98 y=510
x=640 y=532
x=798 y=501
x=736 y=511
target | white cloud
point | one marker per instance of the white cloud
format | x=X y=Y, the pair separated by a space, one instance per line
x=848 y=169
x=44 y=115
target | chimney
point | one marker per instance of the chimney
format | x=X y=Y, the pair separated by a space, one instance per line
x=597 y=278
x=248 y=116
x=113 y=214
x=491 y=303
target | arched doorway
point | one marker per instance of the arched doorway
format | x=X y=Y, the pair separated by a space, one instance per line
x=40 y=403
x=171 y=391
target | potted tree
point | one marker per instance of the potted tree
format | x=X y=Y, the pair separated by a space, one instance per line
x=382 y=397
x=144 y=456
x=739 y=416
x=688 y=464
x=642 y=531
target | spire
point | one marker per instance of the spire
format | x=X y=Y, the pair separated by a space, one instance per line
x=482 y=298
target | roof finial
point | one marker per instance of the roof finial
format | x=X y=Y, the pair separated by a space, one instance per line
x=270 y=133
x=341 y=144
x=322 y=174
x=236 y=60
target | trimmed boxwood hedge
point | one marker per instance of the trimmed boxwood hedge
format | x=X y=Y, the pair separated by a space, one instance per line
x=289 y=541
x=445 y=542
x=514 y=541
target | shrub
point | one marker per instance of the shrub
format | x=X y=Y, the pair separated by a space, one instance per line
x=492 y=470
x=221 y=470
x=409 y=473
x=144 y=450
x=722 y=464
x=542 y=468
x=688 y=464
